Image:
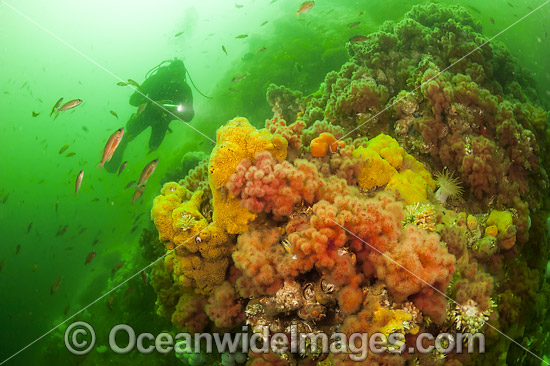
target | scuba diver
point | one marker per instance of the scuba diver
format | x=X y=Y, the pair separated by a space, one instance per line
x=167 y=86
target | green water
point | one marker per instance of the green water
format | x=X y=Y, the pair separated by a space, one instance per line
x=81 y=50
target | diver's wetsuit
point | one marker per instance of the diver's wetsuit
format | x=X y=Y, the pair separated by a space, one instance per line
x=166 y=86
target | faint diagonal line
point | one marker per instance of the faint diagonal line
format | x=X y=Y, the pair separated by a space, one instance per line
x=440 y=72
x=437 y=290
x=101 y=66
x=105 y=294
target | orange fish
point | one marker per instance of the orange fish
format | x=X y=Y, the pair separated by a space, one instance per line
x=55 y=285
x=306 y=6
x=138 y=193
x=70 y=104
x=144 y=277
x=90 y=257
x=111 y=146
x=358 y=39
x=78 y=182
x=147 y=172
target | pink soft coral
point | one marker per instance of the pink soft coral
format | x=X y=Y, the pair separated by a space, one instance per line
x=270 y=186
x=362 y=224
x=189 y=314
x=292 y=133
x=223 y=308
x=419 y=261
x=263 y=262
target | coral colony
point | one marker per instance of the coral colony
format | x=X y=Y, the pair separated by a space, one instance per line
x=310 y=221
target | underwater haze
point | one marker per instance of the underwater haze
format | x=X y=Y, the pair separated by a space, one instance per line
x=424 y=120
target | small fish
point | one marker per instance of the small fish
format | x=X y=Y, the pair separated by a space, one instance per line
x=70 y=104
x=63 y=149
x=5 y=198
x=240 y=77
x=110 y=302
x=144 y=277
x=358 y=38
x=178 y=34
x=35 y=114
x=306 y=6
x=122 y=83
x=56 y=206
x=122 y=166
x=117 y=267
x=89 y=258
x=138 y=193
x=111 y=146
x=69 y=248
x=130 y=184
x=56 y=105
x=61 y=231
x=242 y=36
x=2 y=264
x=510 y=4
x=134 y=228
x=264 y=23
x=95 y=242
x=35 y=268
x=238 y=6
x=147 y=172
x=70 y=155
x=353 y=25
x=133 y=83
x=224 y=50
x=29 y=227
x=55 y=285
x=233 y=90
x=141 y=108
x=85 y=129
x=261 y=50
x=474 y=9
x=66 y=311
x=114 y=114
x=138 y=216
x=492 y=20
x=17 y=249
x=41 y=181
x=129 y=291
x=78 y=182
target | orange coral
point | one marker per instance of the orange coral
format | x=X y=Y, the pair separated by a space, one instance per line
x=223 y=308
x=426 y=259
x=263 y=261
x=189 y=314
x=321 y=145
